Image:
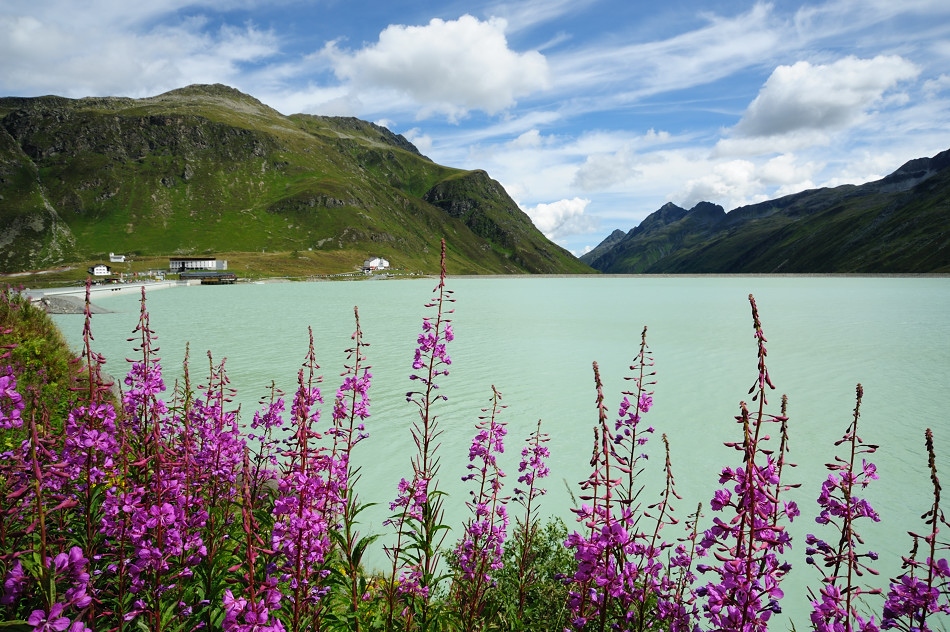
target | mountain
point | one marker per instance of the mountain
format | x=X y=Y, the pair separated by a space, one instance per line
x=899 y=224
x=207 y=169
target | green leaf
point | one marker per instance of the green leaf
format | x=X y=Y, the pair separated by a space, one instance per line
x=361 y=546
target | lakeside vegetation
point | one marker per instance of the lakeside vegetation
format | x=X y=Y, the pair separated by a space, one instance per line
x=166 y=513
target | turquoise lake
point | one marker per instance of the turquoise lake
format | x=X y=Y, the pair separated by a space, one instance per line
x=535 y=339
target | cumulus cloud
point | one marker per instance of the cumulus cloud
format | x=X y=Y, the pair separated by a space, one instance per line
x=785 y=170
x=563 y=218
x=605 y=170
x=728 y=182
x=531 y=139
x=449 y=67
x=803 y=104
x=423 y=142
x=737 y=182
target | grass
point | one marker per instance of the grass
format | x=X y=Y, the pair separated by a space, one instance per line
x=45 y=366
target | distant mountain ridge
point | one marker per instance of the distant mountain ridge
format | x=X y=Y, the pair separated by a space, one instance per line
x=898 y=224
x=207 y=169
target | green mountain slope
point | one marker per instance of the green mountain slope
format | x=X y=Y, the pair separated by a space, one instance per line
x=207 y=169
x=899 y=224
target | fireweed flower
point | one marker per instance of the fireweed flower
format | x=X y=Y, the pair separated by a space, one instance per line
x=480 y=550
x=629 y=438
x=598 y=588
x=748 y=546
x=11 y=402
x=835 y=607
x=43 y=621
x=618 y=571
x=67 y=573
x=924 y=589
x=151 y=519
x=532 y=468
x=308 y=504
x=418 y=539
x=91 y=443
x=410 y=500
x=256 y=614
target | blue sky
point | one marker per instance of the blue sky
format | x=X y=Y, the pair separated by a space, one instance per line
x=591 y=113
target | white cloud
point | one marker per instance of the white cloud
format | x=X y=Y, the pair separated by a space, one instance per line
x=802 y=105
x=530 y=139
x=69 y=53
x=784 y=170
x=563 y=218
x=933 y=87
x=603 y=170
x=719 y=48
x=449 y=67
x=738 y=182
x=729 y=184
x=526 y=14
x=423 y=142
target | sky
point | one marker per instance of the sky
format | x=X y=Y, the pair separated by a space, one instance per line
x=591 y=113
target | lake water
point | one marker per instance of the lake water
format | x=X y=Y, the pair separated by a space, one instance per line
x=535 y=339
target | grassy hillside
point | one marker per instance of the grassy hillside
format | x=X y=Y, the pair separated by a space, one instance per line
x=207 y=169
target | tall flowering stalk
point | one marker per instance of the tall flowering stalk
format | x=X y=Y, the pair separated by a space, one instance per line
x=668 y=585
x=532 y=468
x=834 y=608
x=305 y=508
x=480 y=550
x=676 y=597
x=418 y=505
x=256 y=605
x=924 y=589
x=46 y=581
x=210 y=449
x=257 y=610
x=618 y=574
x=599 y=581
x=148 y=520
x=748 y=544
x=628 y=437
x=350 y=412
x=267 y=426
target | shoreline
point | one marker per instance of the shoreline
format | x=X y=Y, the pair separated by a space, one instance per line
x=701 y=275
x=72 y=300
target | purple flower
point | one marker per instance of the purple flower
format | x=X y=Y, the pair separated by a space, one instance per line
x=51 y=621
x=925 y=589
x=481 y=547
x=11 y=402
x=748 y=545
x=14 y=584
x=835 y=607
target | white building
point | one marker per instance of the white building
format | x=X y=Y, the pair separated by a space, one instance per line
x=182 y=264
x=100 y=269
x=376 y=263
x=114 y=258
